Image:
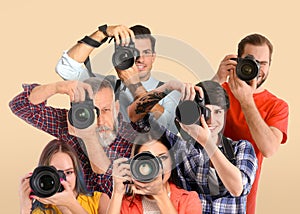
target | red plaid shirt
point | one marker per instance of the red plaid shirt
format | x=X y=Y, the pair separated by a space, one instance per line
x=54 y=122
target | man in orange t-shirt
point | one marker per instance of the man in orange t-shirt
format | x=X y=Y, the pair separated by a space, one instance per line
x=255 y=114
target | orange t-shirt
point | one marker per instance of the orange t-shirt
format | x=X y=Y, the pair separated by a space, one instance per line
x=185 y=202
x=274 y=112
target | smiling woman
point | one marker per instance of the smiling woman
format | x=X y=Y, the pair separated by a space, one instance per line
x=161 y=193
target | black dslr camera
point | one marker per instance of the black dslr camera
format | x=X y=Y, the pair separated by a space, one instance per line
x=81 y=114
x=124 y=56
x=247 y=68
x=189 y=112
x=144 y=167
x=45 y=181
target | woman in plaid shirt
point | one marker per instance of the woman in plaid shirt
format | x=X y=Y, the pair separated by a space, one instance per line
x=222 y=171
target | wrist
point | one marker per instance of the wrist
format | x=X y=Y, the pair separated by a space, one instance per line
x=134 y=86
x=103 y=30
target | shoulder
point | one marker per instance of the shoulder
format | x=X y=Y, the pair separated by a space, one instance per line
x=269 y=98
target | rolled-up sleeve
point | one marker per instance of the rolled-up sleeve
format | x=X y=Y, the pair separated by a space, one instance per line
x=70 y=69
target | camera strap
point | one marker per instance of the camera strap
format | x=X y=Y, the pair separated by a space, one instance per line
x=228 y=149
x=87 y=64
x=160 y=83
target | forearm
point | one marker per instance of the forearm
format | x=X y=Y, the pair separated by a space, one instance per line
x=164 y=203
x=81 y=51
x=115 y=204
x=41 y=93
x=25 y=210
x=97 y=156
x=143 y=105
x=228 y=173
x=266 y=138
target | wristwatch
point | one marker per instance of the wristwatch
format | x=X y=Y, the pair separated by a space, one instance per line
x=103 y=28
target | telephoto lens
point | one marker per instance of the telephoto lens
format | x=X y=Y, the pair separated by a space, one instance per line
x=145 y=167
x=45 y=181
x=247 y=68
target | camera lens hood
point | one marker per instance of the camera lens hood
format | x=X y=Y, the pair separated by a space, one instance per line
x=145 y=167
x=82 y=115
x=247 y=68
x=45 y=181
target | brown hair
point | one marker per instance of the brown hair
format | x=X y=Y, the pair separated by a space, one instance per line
x=56 y=146
x=257 y=40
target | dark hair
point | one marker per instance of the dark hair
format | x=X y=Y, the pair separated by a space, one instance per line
x=56 y=146
x=214 y=94
x=156 y=135
x=257 y=40
x=142 y=32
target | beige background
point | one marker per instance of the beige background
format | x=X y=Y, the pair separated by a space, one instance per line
x=34 y=34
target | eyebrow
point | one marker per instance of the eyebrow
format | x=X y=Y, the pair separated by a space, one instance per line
x=68 y=169
x=162 y=154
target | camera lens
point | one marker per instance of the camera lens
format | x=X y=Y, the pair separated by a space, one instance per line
x=247 y=68
x=82 y=115
x=123 y=59
x=188 y=112
x=45 y=181
x=145 y=167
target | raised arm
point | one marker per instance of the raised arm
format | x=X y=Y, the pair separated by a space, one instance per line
x=70 y=66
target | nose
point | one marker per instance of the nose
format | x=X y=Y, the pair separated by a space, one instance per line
x=210 y=119
x=140 y=58
x=100 y=120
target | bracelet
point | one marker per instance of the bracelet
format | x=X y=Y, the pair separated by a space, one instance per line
x=134 y=87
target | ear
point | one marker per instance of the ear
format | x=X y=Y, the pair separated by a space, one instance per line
x=153 y=57
x=117 y=106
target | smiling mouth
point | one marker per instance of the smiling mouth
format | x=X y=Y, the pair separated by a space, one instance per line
x=140 y=68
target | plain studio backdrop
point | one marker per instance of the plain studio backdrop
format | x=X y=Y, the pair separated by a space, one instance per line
x=35 y=33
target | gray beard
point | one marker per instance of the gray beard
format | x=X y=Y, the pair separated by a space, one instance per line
x=106 y=139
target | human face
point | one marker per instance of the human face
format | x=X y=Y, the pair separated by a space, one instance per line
x=160 y=151
x=146 y=59
x=262 y=55
x=62 y=161
x=216 y=121
x=107 y=119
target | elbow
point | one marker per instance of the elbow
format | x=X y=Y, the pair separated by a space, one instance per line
x=267 y=153
x=236 y=192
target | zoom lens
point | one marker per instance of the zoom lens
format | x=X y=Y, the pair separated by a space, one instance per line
x=45 y=181
x=145 y=167
x=247 y=68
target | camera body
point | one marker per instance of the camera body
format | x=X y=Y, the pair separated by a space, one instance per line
x=81 y=114
x=144 y=167
x=45 y=181
x=247 y=68
x=189 y=112
x=124 y=56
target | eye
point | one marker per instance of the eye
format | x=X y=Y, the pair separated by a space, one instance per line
x=106 y=110
x=163 y=157
x=69 y=172
x=220 y=111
